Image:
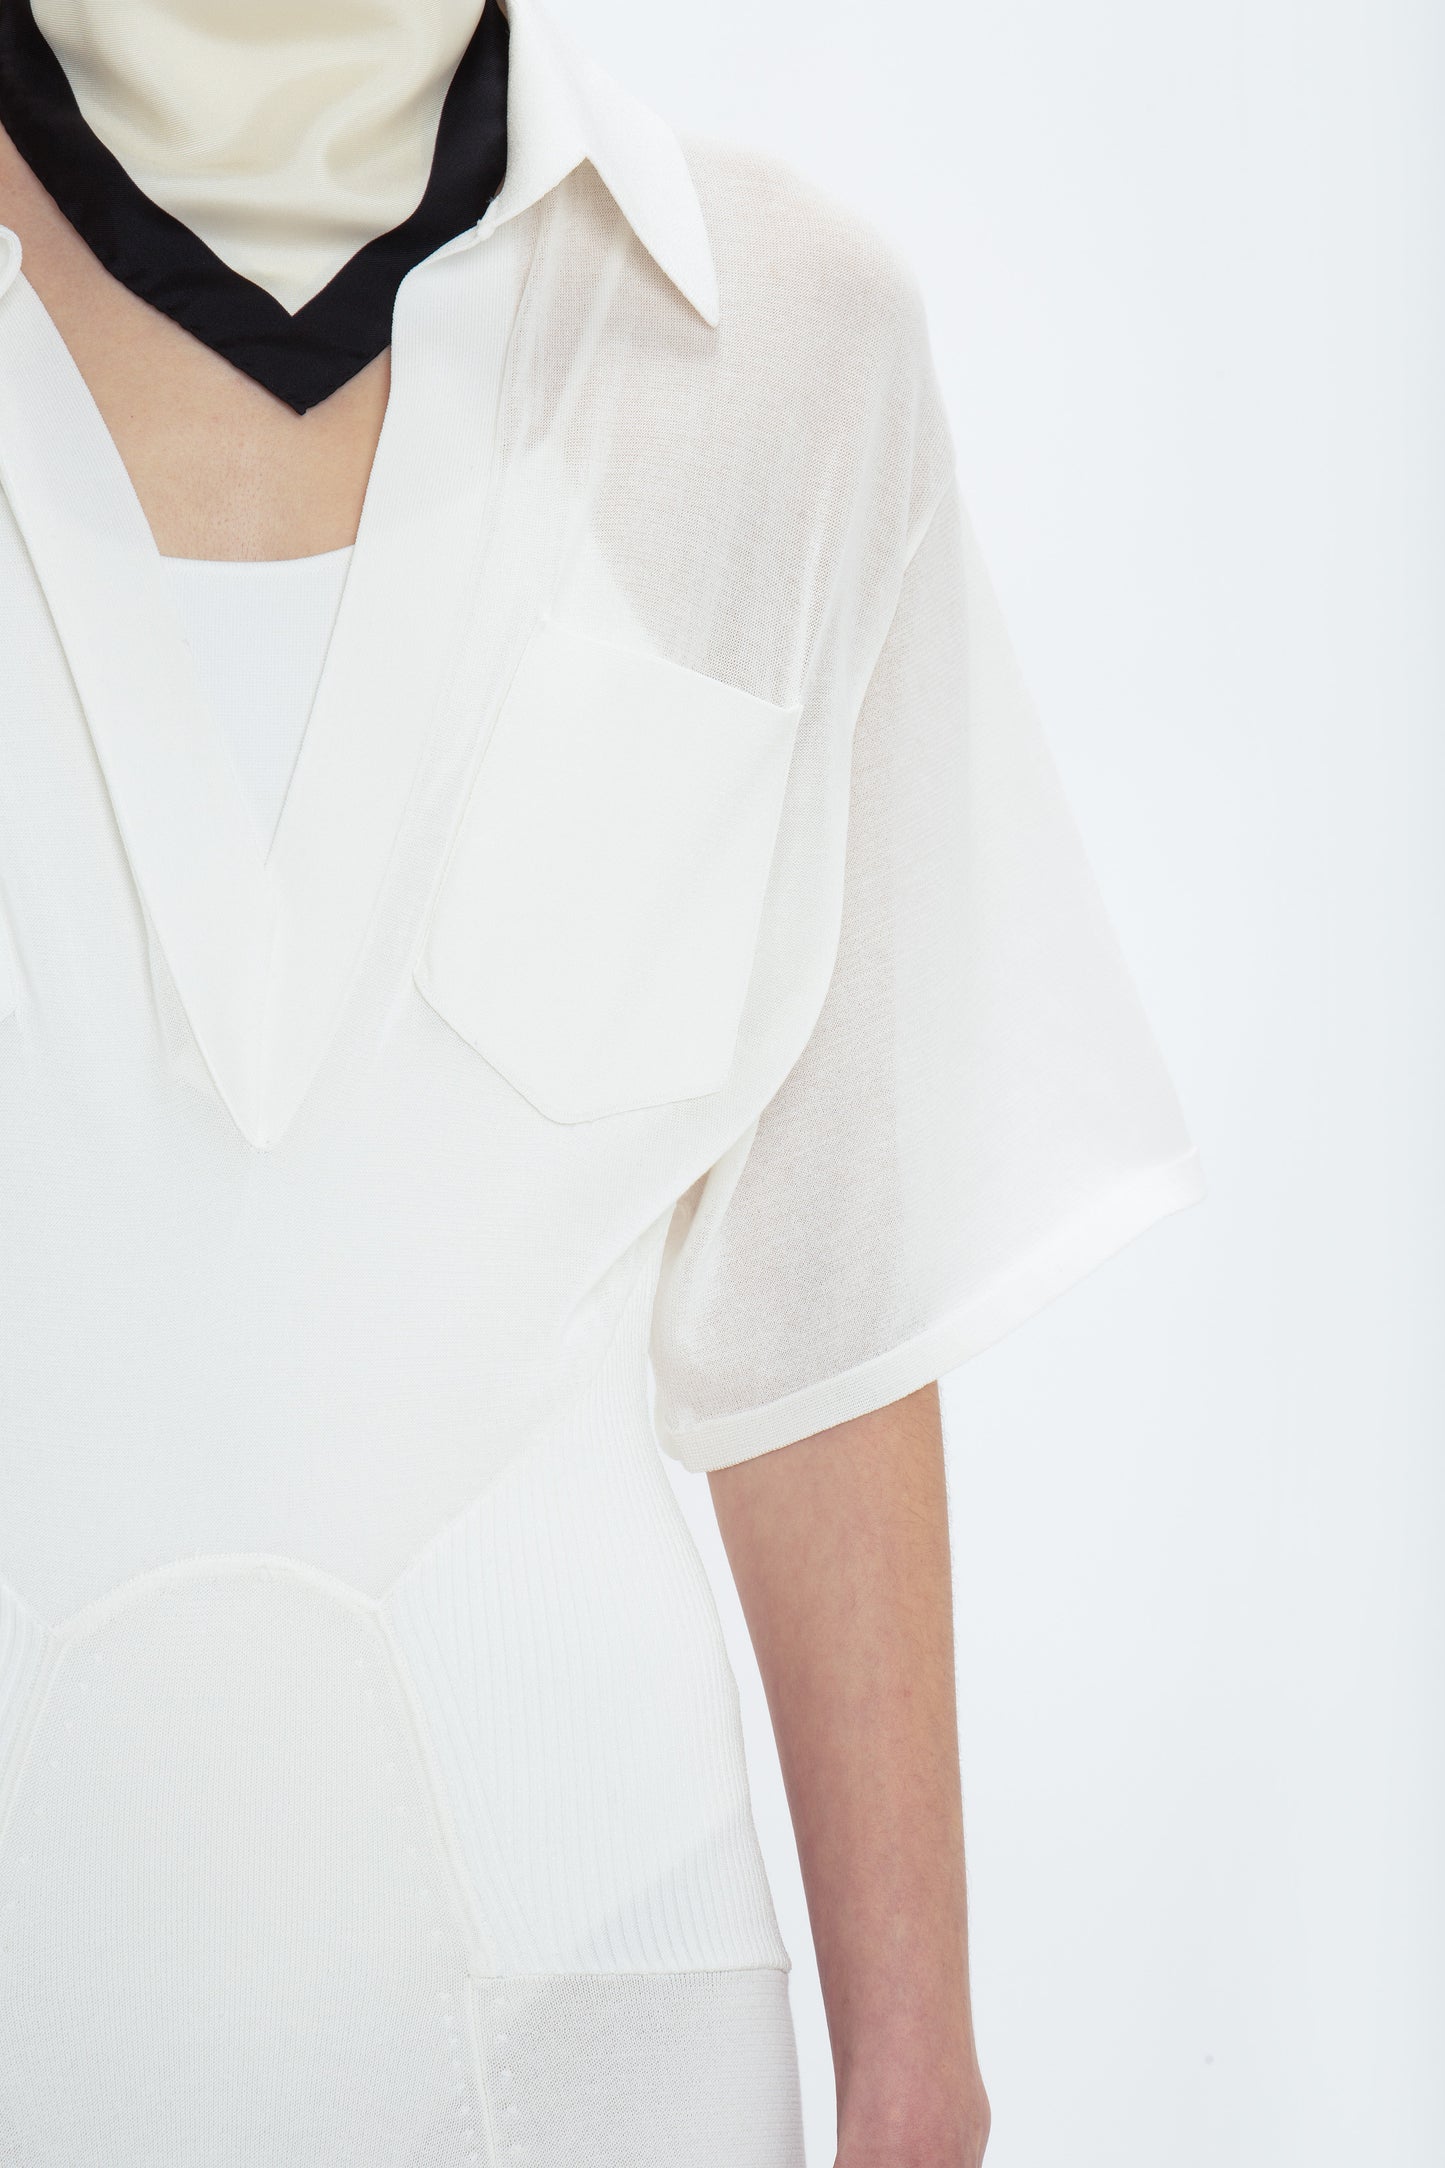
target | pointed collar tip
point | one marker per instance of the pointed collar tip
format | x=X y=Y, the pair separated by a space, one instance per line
x=564 y=107
x=696 y=280
x=702 y=292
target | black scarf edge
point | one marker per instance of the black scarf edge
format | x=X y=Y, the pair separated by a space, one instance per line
x=301 y=358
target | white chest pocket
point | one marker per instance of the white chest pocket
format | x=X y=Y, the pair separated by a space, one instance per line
x=594 y=931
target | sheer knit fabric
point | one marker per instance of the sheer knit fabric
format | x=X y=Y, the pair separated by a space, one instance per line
x=674 y=1009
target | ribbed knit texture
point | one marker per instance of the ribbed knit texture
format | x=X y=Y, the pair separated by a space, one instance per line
x=602 y=1829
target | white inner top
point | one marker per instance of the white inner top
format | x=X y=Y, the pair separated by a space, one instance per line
x=259 y=631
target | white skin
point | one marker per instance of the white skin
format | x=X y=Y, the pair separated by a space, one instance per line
x=839 y=1543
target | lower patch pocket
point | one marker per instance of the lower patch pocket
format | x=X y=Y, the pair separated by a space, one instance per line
x=641 y=2069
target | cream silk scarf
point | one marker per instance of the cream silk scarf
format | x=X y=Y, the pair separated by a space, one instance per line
x=264 y=171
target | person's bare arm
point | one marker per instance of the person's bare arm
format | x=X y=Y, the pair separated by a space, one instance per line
x=839 y=1547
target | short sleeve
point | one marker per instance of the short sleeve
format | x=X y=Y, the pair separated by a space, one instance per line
x=981 y=1113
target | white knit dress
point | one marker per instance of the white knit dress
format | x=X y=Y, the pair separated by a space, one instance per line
x=672 y=1009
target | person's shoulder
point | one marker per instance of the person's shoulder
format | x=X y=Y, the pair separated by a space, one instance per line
x=793 y=260
x=822 y=363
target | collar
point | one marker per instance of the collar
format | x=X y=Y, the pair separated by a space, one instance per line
x=563 y=109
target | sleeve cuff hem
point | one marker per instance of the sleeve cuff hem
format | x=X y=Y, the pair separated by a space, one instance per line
x=1088 y=1240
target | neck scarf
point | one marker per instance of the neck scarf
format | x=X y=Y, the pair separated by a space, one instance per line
x=265 y=172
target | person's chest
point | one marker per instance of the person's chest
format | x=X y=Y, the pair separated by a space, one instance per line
x=544 y=771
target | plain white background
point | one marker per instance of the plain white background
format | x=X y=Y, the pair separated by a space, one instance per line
x=1183 y=274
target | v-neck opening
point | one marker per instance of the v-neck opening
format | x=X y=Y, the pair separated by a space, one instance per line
x=263 y=945
x=148 y=548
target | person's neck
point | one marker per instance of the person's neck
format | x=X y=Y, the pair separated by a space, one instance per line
x=285 y=151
